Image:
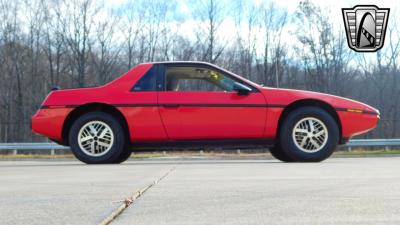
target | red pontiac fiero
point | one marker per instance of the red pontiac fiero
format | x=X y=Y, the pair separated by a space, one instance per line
x=186 y=104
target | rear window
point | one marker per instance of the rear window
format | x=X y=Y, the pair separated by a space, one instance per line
x=148 y=82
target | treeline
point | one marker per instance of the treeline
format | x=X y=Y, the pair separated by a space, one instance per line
x=80 y=43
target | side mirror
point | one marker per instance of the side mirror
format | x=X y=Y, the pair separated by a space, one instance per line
x=241 y=89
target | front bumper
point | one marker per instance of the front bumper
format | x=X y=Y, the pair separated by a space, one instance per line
x=357 y=123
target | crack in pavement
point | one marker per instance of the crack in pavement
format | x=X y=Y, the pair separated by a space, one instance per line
x=128 y=201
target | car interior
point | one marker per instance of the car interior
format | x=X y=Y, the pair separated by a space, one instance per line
x=197 y=79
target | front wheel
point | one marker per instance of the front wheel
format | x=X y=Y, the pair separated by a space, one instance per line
x=126 y=154
x=277 y=152
x=97 y=137
x=309 y=134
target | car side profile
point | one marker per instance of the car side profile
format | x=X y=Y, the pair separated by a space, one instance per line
x=186 y=104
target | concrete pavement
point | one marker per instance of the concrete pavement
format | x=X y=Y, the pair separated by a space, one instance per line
x=336 y=191
x=67 y=192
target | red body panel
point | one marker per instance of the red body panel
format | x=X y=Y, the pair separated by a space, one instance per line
x=153 y=116
x=201 y=116
x=356 y=124
x=116 y=92
x=49 y=122
x=352 y=123
x=144 y=122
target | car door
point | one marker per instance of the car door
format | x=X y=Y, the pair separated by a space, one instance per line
x=198 y=102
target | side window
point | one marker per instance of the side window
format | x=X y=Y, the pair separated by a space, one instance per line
x=197 y=79
x=148 y=82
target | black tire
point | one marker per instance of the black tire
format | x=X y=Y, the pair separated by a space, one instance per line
x=124 y=156
x=292 y=150
x=278 y=154
x=115 y=151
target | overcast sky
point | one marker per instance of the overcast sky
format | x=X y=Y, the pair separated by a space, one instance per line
x=183 y=14
x=331 y=7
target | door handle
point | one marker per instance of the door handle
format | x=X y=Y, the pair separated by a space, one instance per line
x=171 y=105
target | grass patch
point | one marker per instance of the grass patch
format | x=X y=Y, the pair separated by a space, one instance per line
x=208 y=154
x=366 y=153
x=36 y=156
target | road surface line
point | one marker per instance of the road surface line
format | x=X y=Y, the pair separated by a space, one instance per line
x=128 y=201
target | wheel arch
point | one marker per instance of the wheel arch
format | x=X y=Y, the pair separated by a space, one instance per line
x=90 y=107
x=310 y=102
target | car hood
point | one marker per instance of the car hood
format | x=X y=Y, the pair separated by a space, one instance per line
x=288 y=96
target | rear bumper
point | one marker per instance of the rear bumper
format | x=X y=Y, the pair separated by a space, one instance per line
x=49 y=122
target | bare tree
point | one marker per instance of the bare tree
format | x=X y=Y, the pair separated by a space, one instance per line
x=53 y=43
x=210 y=15
x=76 y=43
x=247 y=26
x=315 y=33
x=106 y=50
x=131 y=28
x=77 y=28
x=273 y=52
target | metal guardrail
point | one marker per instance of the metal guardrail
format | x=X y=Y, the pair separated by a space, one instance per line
x=386 y=143
x=373 y=142
x=32 y=146
x=15 y=147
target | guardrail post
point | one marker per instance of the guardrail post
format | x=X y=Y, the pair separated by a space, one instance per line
x=52 y=152
x=164 y=153
x=15 y=152
x=349 y=149
x=238 y=151
x=201 y=152
x=387 y=148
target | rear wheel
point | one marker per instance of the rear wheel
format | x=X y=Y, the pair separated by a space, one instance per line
x=97 y=137
x=309 y=134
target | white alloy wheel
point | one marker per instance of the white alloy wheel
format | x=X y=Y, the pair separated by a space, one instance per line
x=95 y=138
x=310 y=135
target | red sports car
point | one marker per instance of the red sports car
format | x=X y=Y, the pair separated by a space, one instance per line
x=186 y=104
